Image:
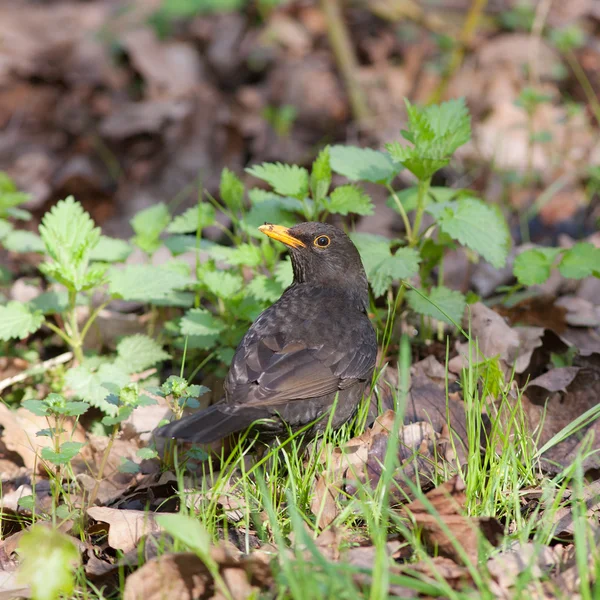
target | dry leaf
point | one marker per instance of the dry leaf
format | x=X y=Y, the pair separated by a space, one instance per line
x=126 y=527
x=448 y=501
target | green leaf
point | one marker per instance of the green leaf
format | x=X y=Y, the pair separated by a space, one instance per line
x=287 y=180
x=231 y=190
x=186 y=530
x=265 y=289
x=145 y=283
x=9 y=195
x=402 y=265
x=19 y=240
x=48 y=562
x=363 y=164
x=128 y=466
x=74 y=408
x=5 y=228
x=37 y=407
x=147 y=453
x=533 y=266
x=197 y=217
x=582 y=260
x=148 y=224
x=320 y=175
x=110 y=250
x=269 y=211
x=351 y=198
x=18 y=321
x=68 y=451
x=436 y=132
x=441 y=303
x=201 y=322
x=96 y=386
x=284 y=273
x=246 y=255
x=381 y=266
x=69 y=236
x=221 y=283
x=51 y=302
x=136 y=353
x=475 y=225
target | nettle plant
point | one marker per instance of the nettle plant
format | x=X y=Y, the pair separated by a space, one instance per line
x=216 y=295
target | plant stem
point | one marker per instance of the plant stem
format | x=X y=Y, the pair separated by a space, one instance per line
x=111 y=441
x=401 y=210
x=422 y=190
x=345 y=57
x=60 y=333
x=583 y=80
x=91 y=319
x=458 y=52
x=74 y=327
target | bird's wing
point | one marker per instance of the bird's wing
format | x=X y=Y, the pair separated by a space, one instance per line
x=269 y=371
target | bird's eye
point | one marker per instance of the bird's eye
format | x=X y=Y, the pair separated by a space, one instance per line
x=322 y=241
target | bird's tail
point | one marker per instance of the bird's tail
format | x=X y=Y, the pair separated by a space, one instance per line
x=208 y=425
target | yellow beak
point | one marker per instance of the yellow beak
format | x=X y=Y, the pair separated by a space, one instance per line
x=281 y=234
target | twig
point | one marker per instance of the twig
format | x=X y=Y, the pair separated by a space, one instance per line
x=458 y=52
x=37 y=369
x=345 y=57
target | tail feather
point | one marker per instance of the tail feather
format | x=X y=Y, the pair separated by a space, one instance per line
x=208 y=425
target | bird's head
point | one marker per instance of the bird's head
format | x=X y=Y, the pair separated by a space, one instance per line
x=323 y=255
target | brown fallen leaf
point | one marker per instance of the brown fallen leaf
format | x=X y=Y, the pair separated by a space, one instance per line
x=185 y=577
x=448 y=500
x=125 y=527
x=552 y=411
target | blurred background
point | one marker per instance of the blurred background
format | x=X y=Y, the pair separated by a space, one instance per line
x=126 y=103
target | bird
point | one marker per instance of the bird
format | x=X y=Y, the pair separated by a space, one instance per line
x=314 y=349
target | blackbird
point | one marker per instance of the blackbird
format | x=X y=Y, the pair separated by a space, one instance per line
x=314 y=344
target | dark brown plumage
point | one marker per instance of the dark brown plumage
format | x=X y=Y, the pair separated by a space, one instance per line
x=314 y=343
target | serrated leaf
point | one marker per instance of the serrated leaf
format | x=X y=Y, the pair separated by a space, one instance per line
x=264 y=288
x=582 y=260
x=381 y=266
x=95 y=387
x=269 y=211
x=246 y=255
x=148 y=224
x=145 y=283
x=37 y=407
x=363 y=164
x=284 y=273
x=534 y=266
x=475 y=225
x=200 y=322
x=197 y=217
x=19 y=240
x=48 y=562
x=139 y=352
x=18 y=321
x=74 y=408
x=320 y=175
x=68 y=451
x=55 y=301
x=346 y=199
x=69 y=236
x=110 y=250
x=287 y=180
x=231 y=190
x=441 y=303
x=222 y=283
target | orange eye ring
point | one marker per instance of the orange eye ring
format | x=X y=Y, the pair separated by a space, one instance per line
x=322 y=241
